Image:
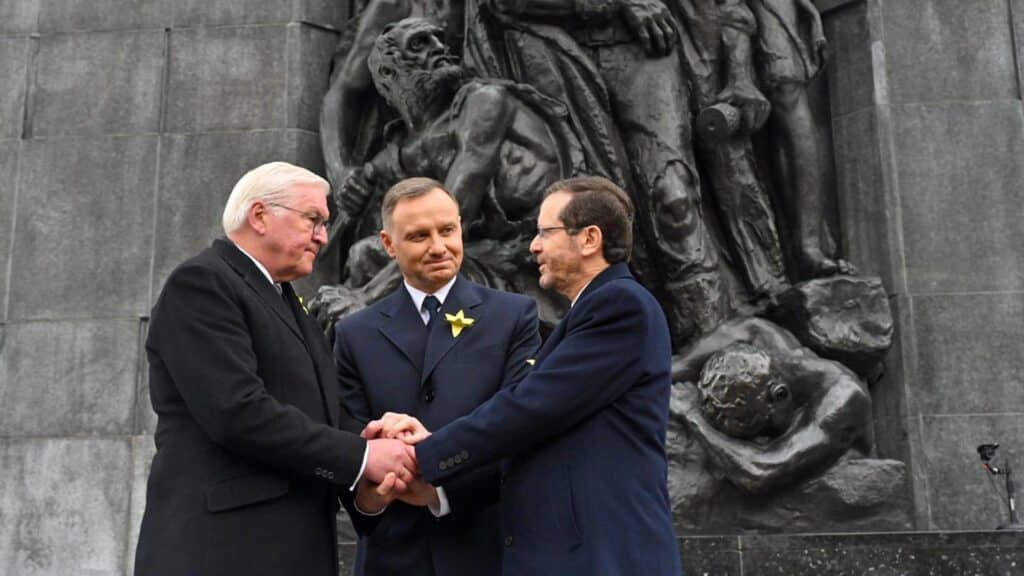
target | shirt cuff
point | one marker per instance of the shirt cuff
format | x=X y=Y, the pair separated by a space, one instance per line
x=362 y=468
x=442 y=508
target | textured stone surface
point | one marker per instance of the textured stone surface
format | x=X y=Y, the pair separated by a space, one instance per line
x=969 y=354
x=67 y=15
x=961 y=494
x=961 y=195
x=196 y=179
x=145 y=418
x=9 y=150
x=14 y=55
x=899 y=554
x=310 y=51
x=83 y=239
x=64 y=506
x=19 y=16
x=105 y=82
x=939 y=50
x=68 y=378
x=226 y=78
x=714 y=555
x=143 y=450
x=851 y=72
x=843 y=318
x=866 y=220
x=222 y=12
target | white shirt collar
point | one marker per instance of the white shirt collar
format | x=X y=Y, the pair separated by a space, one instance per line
x=580 y=293
x=259 y=266
x=418 y=296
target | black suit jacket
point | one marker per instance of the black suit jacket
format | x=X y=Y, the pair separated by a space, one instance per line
x=248 y=454
x=388 y=363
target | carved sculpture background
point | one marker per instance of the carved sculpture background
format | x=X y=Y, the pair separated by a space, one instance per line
x=702 y=110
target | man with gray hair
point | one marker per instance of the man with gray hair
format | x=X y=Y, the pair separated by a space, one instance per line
x=249 y=452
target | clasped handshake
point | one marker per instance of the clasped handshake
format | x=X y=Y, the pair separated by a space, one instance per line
x=391 y=470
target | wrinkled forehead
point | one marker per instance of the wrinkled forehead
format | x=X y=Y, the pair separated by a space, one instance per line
x=410 y=27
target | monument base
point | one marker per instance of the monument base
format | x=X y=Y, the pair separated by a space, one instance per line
x=888 y=554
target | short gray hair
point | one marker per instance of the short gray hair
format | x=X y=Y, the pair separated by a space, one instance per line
x=270 y=183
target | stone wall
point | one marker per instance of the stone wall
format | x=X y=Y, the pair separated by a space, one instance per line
x=123 y=126
x=929 y=134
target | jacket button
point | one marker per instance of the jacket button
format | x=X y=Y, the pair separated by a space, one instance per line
x=443 y=465
x=450 y=462
x=464 y=454
x=428 y=396
x=508 y=541
x=458 y=459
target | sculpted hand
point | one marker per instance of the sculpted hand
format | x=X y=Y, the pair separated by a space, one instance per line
x=752 y=104
x=388 y=455
x=372 y=498
x=652 y=23
x=400 y=426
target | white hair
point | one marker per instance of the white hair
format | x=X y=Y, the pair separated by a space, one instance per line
x=270 y=183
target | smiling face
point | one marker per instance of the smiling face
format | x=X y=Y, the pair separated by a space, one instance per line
x=291 y=241
x=425 y=239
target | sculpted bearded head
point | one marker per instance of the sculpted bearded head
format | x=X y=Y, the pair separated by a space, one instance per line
x=412 y=67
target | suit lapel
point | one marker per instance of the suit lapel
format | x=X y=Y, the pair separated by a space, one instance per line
x=312 y=339
x=440 y=340
x=403 y=326
x=613 y=272
x=258 y=282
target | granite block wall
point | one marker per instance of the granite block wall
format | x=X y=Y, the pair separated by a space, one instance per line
x=929 y=128
x=123 y=126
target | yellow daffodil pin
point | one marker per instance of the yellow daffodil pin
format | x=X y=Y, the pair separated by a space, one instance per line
x=458 y=322
x=531 y=361
x=303 y=304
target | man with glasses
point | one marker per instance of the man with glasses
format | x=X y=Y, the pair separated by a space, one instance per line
x=582 y=436
x=250 y=456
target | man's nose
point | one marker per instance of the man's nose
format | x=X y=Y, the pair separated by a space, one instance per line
x=437 y=245
x=320 y=235
x=535 y=245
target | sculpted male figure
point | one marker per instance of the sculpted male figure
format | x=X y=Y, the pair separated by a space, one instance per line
x=436 y=347
x=583 y=434
x=616 y=62
x=249 y=456
x=772 y=411
x=491 y=143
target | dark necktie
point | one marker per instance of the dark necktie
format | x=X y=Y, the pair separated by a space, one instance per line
x=433 y=307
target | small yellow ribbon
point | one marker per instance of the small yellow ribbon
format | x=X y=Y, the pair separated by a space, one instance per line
x=458 y=322
x=531 y=361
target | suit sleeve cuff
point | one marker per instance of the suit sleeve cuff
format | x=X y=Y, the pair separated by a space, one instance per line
x=362 y=468
x=442 y=509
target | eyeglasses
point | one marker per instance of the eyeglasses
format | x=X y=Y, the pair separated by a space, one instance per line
x=546 y=231
x=316 y=221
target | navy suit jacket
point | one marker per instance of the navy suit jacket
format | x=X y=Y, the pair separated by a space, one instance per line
x=585 y=485
x=388 y=363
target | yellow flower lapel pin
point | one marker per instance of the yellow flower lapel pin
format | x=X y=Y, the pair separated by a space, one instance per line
x=458 y=322
x=531 y=361
x=303 y=305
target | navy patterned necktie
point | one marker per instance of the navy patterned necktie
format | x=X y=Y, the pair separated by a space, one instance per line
x=433 y=307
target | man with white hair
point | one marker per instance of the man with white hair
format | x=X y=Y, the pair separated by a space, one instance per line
x=251 y=441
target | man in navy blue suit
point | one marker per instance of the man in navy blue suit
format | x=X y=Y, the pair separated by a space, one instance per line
x=436 y=348
x=583 y=434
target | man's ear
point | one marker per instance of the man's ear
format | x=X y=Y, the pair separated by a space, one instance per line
x=591 y=241
x=388 y=243
x=257 y=217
